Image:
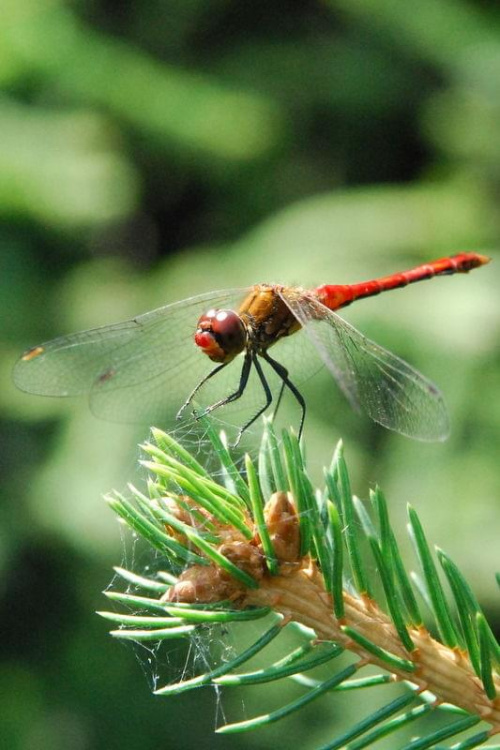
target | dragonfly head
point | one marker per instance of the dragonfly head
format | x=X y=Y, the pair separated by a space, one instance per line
x=221 y=335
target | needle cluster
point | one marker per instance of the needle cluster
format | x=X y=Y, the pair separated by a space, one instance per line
x=268 y=543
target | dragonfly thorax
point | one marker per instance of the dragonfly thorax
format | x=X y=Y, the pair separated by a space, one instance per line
x=221 y=335
x=267 y=317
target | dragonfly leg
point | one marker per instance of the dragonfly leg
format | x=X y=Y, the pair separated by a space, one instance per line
x=245 y=372
x=278 y=400
x=269 y=399
x=197 y=388
x=283 y=373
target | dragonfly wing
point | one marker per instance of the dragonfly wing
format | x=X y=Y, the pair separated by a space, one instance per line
x=132 y=371
x=388 y=389
x=68 y=365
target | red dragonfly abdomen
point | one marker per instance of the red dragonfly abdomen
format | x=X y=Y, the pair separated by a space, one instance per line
x=335 y=296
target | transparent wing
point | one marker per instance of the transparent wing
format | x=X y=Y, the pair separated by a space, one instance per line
x=389 y=390
x=140 y=370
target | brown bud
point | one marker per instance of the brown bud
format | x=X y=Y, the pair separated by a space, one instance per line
x=204 y=584
x=283 y=525
x=245 y=556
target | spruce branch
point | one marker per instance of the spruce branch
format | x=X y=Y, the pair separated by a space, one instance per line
x=247 y=545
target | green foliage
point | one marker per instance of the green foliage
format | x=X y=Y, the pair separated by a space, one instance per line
x=318 y=518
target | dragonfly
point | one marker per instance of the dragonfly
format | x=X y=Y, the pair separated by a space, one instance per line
x=154 y=366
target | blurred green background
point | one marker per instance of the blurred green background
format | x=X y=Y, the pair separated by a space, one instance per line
x=151 y=151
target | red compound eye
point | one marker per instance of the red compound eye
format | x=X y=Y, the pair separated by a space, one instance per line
x=203 y=339
x=221 y=334
x=227 y=325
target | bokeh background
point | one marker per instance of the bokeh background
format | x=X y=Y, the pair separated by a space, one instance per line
x=150 y=151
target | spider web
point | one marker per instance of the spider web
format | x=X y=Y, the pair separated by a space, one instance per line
x=166 y=662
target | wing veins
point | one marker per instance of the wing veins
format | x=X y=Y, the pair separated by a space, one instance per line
x=401 y=393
